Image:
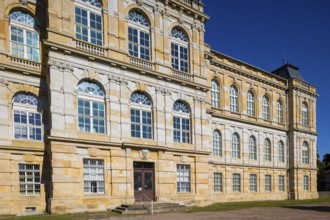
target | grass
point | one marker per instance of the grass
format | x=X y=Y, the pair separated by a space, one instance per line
x=79 y=216
x=244 y=205
x=211 y=208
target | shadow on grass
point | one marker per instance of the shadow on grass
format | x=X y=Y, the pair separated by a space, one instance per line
x=310 y=208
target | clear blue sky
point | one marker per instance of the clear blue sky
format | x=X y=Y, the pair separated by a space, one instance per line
x=264 y=32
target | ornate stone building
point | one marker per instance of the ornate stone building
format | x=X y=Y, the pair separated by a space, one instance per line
x=105 y=102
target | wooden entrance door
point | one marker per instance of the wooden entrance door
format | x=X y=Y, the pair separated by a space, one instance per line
x=144 y=181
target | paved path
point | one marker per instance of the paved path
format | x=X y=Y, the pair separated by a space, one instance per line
x=303 y=212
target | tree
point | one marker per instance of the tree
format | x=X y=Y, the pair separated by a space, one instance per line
x=326 y=161
x=320 y=174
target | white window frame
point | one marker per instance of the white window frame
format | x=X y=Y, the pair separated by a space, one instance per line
x=252 y=148
x=306 y=183
x=253 y=183
x=183 y=178
x=91 y=98
x=281 y=183
x=89 y=8
x=304 y=114
x=216 y=143
x=236 y=182
x=265 y=108
x=281 y=152
x=25 y=46
x=181 y=116
x=268 y=183
x=143 y=108
x=268 y=150
x=27 y=108
x=305 y=153
x=218 y=186
x=93 y=174
x=279 y=106
x=250 y=103
x=181 y=44
x=233 y=99
x=32 y=179
x=140 y=28
x=215 y=93
x=235 y=143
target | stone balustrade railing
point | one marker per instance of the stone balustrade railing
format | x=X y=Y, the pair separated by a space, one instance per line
x=25 y=63
x=90 y=48
x=182 y=75
x=141 y=63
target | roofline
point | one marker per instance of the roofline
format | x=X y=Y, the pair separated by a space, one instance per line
x=247 y=64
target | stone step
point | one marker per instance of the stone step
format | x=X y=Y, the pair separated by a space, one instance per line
x=146 y=208
x=131 y=212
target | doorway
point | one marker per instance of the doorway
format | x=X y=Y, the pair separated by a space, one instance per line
x=144 y=181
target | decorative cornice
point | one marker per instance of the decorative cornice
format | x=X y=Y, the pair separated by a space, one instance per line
x=62 y=66
x=246 y=74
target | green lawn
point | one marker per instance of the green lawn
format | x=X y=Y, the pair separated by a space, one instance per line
x=243 y=205
x=215 y=207
x=80 y=216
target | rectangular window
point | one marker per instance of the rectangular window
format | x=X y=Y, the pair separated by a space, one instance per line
x=88 y=26
x=29 y=179
x=268 y=183
x=281 y=184
x=253 y=182
x=179 y=57
x=236 y=182
x=27 y=125
x=217 y=182
x=306 y=183
x=181 y=130
x=91 y=116
x=93 y=176
x=141 y=124
x=183 y=178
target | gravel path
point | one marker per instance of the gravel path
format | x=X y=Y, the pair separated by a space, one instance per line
x=305 y=212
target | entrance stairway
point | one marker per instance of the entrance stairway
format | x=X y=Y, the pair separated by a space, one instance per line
x=145 y=208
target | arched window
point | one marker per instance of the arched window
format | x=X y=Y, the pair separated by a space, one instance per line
x=24 y=38
x=265 y=108
x=233 y=99
x=179 y=50
x=305 y=153
x=252 y=148
x=181 y=122
x=250 y=103
x=268 y=150
x=215 y=94
x=304 y=114
x=91 y=111
x=138 y=35
x=88 y=21
x=236 y=151
x=279 y=107
x=217 y=148
x=281 y=152
x=141 y=117
x=27 y=120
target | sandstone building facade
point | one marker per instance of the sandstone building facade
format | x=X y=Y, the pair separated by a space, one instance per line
x=106 y=102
